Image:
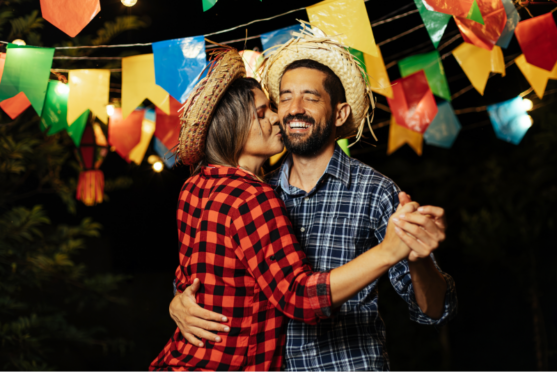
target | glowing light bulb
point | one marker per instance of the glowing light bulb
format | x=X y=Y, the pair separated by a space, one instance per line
x=527 y=104
x=526 y=121
x=62 y=88
x=19 y=42
x=110 y=110
x=157 y=166
x=129 y=3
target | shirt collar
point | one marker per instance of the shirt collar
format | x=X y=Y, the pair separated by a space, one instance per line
x=218 y=171
x=338 y=167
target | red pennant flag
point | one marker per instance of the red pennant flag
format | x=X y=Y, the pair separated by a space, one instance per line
x=459 y=8
x=484 y=36
x=538 y=40
x=168 y=126
x=70 y=16
x=413 y=105
x=16 y=105
x=124 y=135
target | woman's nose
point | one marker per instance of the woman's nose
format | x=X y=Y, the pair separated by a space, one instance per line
x=273 y=118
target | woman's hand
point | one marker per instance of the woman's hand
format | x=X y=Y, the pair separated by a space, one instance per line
x=193 y=320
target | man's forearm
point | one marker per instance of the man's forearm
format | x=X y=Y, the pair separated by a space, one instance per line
x=429 y=287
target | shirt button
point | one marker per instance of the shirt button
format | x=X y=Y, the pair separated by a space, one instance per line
x=272 y=258
x=306 y=198
x=302 y=229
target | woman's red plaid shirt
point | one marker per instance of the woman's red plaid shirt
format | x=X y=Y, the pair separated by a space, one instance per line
x=235 y=237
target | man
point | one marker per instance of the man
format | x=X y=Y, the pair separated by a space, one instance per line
x=339 y=208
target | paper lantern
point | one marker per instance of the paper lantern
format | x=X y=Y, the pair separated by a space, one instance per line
x=27 y=70
x=167 y=129
x=179 y=64
x=538 y=40
x=147 y=130
x=252 y=62
x=346 y=21
x=510 y=120
x=70 y=16
x=278 y=37
x=399 y=135
x=484 y=35
x=434 y=22
x=477 y=63
x=434 y=71
x=512 y=21
x=459 y=8
x=413 y=105
x=89 y=90
x=124 y=135
x=537 y=77
x=138 y=84
x=444 y=129
x=14 y=106
x=90 y=187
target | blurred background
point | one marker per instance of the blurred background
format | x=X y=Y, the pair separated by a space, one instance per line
x=88 y=288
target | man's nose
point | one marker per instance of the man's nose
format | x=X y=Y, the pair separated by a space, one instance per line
x=296 y=106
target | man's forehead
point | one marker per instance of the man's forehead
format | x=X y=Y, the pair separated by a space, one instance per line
x=303 y=78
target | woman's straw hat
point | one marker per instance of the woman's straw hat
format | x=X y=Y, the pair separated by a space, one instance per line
x=225 y=67
x=312 y=43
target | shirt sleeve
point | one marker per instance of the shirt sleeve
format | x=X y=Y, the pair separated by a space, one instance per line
x=399 y=274
x=265 y=242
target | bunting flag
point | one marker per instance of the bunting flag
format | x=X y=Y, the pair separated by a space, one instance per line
x=477 y=63
x=252 y=62
x=14 y=106
x=434 y=71
x=444 y=129
x=162 y=151
x=276 y=158
x=346 y=21
x=434 y=22
x=474 y=14
x=55 y=108
x=413 y=105
x=399 y=135
x=27 y=70
x=179 y=64
x=484 y=35
x=459 y=8
x=343 y=143
x=538 y=40
x=70 y=16
x=512 y=20
x=509 y=119
x=89 y=90
x=75 y=131
x=537 y=77
x=147 y=130
x=377 y=74
x=124 y=135
x=138 y=84
x=278 y=37
x=90 y=187
x=167 y=129
x=208 y=4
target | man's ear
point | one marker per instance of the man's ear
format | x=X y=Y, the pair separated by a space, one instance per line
x=343 y=112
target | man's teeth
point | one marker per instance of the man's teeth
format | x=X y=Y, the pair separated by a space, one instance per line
x=298 y=124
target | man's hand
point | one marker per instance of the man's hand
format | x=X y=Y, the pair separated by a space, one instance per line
x=193 y=320
x=395 y=248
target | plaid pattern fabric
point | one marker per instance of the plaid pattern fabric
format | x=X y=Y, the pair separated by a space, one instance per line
x=235 y=237
x=342 y=217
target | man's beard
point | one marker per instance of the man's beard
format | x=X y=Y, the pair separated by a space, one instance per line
x=314 y=143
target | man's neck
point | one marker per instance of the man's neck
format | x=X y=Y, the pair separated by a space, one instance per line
x=306 y=170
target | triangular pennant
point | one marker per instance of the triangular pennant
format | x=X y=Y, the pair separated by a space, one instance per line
x=138 y=84
x=252 y=62
x=538 y=40
x=474 y=14
x=477 y=63
x=444 y=129
x=147 y=129
x=278 y=37
x=162 y=151
x=124 y=135
x=399 y=135
x=208 y=4
x=537 y=77
x=168 y=126
x=509 y=119
x=70 y=16
x=346 y=21
x=27 y=70
x=343 y=143
x=434 y=22
x=433 y=68
x=55 y=109
x=377 y=74
x=512 y=21
x=89 y=90
x=75 y=131
x=459 y=8
x=275 y=158
x=484 y=35
x=15 y=106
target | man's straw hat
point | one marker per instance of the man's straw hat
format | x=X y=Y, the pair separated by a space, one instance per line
x=225 y=67
x=312 y=43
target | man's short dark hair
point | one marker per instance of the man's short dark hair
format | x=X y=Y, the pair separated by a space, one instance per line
x=332 y=83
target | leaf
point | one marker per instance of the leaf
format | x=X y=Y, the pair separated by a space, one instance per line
x=23 y=25
x=112 y=29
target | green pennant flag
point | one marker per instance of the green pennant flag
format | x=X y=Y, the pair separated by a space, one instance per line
x=27 y=70
x=78 y=126
x=343 y=143
x=55 y=107
x=208 y=4
x=434 y=71
x=434 y=22
x=474 y=14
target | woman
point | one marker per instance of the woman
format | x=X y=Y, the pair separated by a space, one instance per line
x=235 y=236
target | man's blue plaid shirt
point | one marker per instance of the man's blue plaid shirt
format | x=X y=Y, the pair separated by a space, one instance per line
x=343 y=216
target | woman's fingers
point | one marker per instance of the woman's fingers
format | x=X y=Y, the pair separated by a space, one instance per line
x=415 y=244
x=425 y=223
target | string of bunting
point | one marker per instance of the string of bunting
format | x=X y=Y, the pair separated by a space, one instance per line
x=166 y=76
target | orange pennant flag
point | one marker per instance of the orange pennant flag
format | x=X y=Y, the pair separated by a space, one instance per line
x=377 y=74
x=536 y=76
x=147 y=130
x=16 y=105
x=399 y=135
x=477 y=63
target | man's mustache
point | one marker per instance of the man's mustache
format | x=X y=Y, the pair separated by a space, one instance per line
x=299 y=117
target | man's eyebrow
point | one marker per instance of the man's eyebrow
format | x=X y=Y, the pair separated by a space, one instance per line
x=312 y=91
x=285 y=91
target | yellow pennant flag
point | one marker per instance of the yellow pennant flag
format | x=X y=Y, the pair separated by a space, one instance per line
x=477 y=63
x=147 y=129
x=346 y=21
x=88 y=91
x=138 y=84
x=275 y=158
x=537 y=77
x=377 y=74
x=398 y=136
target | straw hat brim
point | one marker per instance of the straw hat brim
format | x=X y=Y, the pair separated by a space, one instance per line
x=226 y=67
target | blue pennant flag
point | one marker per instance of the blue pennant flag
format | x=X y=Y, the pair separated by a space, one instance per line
x=179 y=64
x=167 y=157
x=510 y=120
x=277 y=37
x=444 y=129
x=512 y=20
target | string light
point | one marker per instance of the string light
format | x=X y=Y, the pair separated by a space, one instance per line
x=19 y=42
x=110 y=110
x=129 y=3
x=157 y=166
x=527 y=104
x=62 y=89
